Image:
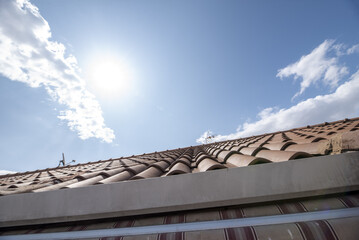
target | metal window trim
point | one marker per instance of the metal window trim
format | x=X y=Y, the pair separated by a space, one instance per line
x=194 y=226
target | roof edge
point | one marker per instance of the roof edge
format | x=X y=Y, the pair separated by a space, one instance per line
x=244 y=185
x=144 y=154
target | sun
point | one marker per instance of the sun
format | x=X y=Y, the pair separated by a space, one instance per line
x=111 y=77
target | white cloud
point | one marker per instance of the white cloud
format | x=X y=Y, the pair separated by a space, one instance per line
x=4 y=172
x=28 y=55
x=342 y=103
x=265 y=113
x=321 y=65
x=353 y=49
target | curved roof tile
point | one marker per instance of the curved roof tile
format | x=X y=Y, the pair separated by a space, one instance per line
x=279 y=156
x=209 y=164
x=320 y=139
x=179 y=168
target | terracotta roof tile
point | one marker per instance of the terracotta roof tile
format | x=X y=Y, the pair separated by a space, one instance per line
x=278 y=156
x=240 y=160
x=149 y=173
x=277 y=146
x=315 y=148
x=179 y=168
x=251 y=151
x=224 y=155
x=125 y=175
x=207 y=164
x=320 y=139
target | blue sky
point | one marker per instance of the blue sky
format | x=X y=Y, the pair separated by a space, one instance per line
x=117 y=78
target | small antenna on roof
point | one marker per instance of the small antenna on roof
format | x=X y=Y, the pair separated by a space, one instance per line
x=63 y=162
x=209 y=138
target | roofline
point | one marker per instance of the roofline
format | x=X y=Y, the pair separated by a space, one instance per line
x=297 y=128
x=111 y=159
x=243 y=185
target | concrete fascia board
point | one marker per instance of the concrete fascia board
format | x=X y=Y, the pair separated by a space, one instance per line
x=253 y=184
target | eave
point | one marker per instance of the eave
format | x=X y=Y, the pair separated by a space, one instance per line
x=224 y=187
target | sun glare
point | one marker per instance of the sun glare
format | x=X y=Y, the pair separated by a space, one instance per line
x=111 y=78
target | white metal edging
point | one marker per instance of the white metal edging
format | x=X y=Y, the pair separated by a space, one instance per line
x=194 y=226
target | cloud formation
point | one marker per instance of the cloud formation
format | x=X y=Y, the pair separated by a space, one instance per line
x=321 y=65
x=28 y=55
x=4 y=172
x=342 y=103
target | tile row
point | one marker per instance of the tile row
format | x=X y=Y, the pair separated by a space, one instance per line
x=266 y=148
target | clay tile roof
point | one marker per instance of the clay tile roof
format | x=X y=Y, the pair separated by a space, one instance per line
x=308 y=141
